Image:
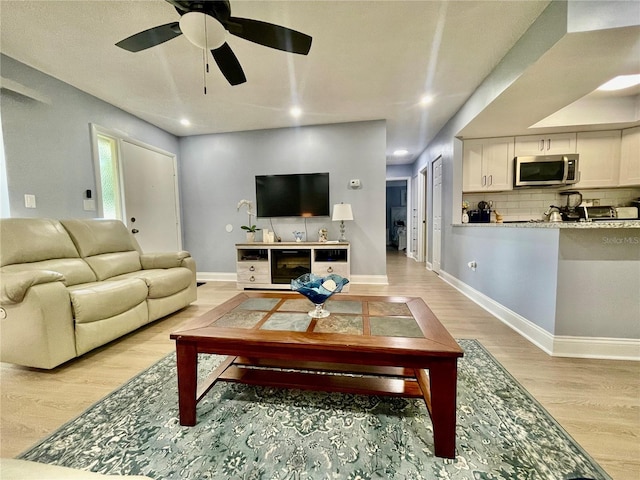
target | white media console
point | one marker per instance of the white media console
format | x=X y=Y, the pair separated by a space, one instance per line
x=274 y=265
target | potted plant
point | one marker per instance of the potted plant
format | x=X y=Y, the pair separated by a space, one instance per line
x=251 y=232
x=250 y=228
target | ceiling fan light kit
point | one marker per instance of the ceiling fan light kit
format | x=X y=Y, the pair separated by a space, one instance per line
x=202 y=30
x=205 y=24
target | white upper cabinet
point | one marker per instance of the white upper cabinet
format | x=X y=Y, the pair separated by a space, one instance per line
x=630 y=157
x=599 y=163
x=556 y=143
x=487 y=164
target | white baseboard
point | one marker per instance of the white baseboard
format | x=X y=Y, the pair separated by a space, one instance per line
x=369 y=280
x=597 y=347
x=232 y=277
x=560 y=346
x=216 y=277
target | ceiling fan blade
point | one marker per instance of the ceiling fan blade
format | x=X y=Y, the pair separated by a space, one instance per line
x=269 y=35
x=150 y=38
x=229 y=64
x=179 y=4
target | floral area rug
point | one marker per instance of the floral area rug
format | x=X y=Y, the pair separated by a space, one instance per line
x=247 y=432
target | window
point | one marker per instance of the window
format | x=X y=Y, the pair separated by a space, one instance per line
x=108 y=176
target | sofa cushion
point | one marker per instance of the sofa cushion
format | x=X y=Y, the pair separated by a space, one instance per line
x=99 y=300
x=33 y=240
x=74 y=270
x=96 y=236
x=109 y=265
x=162 y=283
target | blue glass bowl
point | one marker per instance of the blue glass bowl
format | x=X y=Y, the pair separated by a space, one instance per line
x=313 y=287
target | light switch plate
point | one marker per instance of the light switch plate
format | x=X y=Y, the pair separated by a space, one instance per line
x=29 y=200
x=89 y=204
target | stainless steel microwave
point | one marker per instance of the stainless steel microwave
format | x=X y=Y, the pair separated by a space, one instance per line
x=545 y=170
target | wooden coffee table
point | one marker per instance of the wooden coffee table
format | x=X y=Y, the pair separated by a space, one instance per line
x=396 y=343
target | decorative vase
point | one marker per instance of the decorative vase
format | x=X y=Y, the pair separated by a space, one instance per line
x=465 y=216
x=318 y=290
x=251 y=237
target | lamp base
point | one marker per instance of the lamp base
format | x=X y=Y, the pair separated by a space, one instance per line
x=342 y=237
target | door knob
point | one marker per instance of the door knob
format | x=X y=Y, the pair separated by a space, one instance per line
x=135 y=230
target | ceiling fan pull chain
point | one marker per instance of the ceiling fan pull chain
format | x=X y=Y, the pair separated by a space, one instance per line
x=205 y=56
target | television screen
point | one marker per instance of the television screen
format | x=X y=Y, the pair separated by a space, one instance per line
x=295 y=195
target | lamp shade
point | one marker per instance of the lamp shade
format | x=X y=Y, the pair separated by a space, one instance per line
x=342 y=211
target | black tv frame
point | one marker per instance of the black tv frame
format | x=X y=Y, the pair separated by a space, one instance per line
x=293 y=195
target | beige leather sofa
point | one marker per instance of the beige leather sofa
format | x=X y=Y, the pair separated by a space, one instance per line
x=69 y=286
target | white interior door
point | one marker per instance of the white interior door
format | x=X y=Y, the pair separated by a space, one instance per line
x=437 y=214
x=151 y=197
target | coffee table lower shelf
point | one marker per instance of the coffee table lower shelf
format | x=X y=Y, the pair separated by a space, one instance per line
x=319 y=376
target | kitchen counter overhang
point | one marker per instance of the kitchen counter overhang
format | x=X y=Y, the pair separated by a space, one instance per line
x=555 y=225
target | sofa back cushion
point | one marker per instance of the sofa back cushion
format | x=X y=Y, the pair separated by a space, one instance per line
x=96 y=236
x=106 y=245
x=26 y=240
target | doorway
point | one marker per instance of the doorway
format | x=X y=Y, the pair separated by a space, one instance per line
x=398 y=193
x=137 y=184
x=436 y=214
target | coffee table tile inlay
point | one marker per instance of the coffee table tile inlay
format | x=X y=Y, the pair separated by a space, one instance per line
x=394 y=345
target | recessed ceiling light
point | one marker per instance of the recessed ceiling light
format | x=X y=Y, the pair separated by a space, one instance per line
x=426 y=100
x=620 y=82
x=401 y=153
x=185 y=122
x=295 y=112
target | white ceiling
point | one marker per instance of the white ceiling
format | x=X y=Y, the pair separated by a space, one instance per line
x=369 y=60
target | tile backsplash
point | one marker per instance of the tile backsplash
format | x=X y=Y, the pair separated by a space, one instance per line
x=527 y=204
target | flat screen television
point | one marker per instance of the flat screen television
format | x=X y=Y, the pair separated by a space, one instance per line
x=294 y=195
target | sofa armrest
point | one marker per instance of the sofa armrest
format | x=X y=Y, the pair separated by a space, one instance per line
x=163 y=260
x=14 y=286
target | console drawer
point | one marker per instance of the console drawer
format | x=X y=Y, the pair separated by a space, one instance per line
x=252 y=268
x=325 y=268
x=254 y=279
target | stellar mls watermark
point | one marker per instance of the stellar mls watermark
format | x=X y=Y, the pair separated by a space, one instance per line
x=621 y=240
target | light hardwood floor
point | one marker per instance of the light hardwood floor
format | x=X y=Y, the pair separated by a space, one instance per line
x=596 y=401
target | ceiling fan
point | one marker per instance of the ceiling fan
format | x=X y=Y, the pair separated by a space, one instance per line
x=204 y=24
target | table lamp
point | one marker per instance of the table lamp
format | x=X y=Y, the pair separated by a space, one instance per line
x=342 y=212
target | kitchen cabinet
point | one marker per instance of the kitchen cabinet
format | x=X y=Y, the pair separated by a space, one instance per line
x=487 y=165
x=551 y=144
x=630 y=157
x=599 y=163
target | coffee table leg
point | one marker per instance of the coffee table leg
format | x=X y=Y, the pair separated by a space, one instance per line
x=443 y=379
x=187 y=360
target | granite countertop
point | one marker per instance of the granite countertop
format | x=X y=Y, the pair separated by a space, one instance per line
x=598 y=224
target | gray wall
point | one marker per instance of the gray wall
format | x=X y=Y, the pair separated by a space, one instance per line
x=396 y=171
x=599 y=283
x=47 y=144
x=217 y=171
x=517 y=267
